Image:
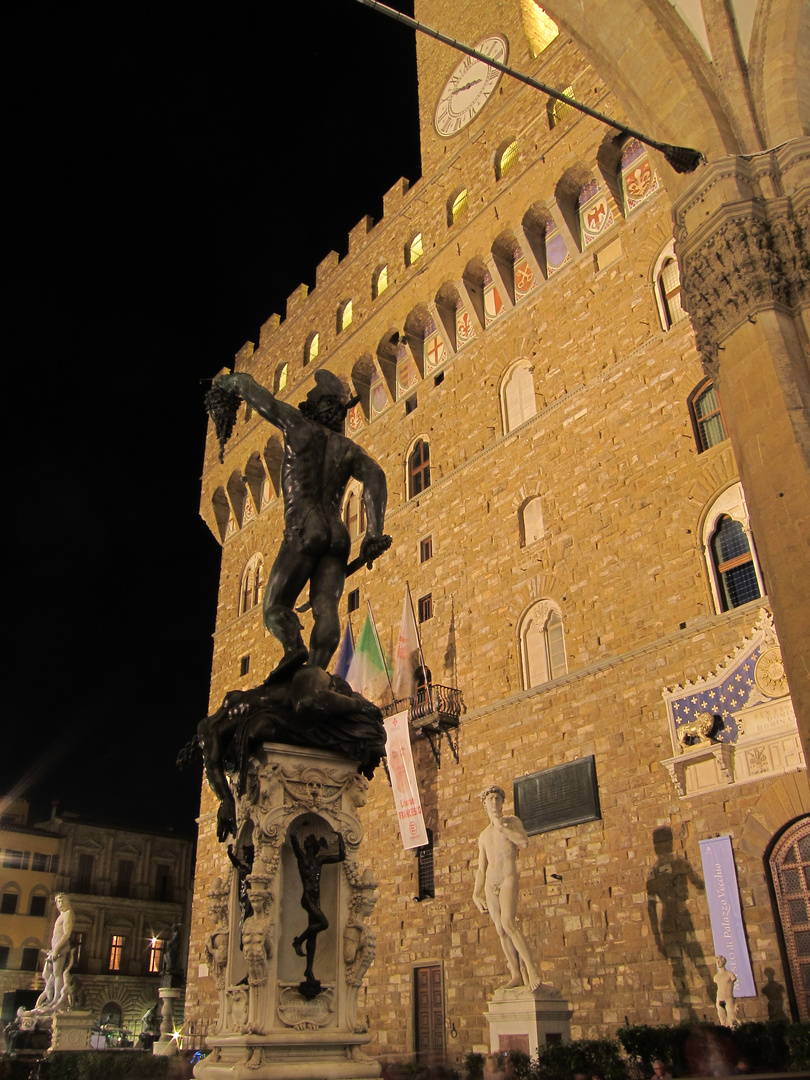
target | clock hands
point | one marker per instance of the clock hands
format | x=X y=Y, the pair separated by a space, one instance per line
x=466 y=86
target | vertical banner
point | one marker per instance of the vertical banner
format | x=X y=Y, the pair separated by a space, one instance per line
x=403 y=781
x=724 y=910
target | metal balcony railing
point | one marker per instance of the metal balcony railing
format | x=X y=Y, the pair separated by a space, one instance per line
x=433 y=711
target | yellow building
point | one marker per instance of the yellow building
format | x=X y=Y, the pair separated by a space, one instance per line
x=585 y=376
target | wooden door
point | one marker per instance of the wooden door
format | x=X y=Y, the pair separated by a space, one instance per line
x=429 y=1019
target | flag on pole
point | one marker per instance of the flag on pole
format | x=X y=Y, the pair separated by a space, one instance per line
x=345 y=653
x=367 y=674
x=406 y=661
x=403 y=782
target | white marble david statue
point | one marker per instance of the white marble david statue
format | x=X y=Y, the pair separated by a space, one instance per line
x=497 y=885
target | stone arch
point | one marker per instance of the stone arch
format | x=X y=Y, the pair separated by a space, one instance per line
x=535 y=223
x=237 y=493
x=779 y=65
x=363 y=374
x=222 y=512
x=448 y=305
x=506 y=251
x=255 y=477
x=273 y=456
x=786 y=798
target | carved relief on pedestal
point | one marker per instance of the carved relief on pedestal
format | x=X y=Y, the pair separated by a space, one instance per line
x=736 y=725
x=306 y=1015
x=359 y=946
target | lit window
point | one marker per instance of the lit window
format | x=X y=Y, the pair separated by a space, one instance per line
x=116 y=952
x=379 y=283
x=426 y=549
x=419 y=469
x=250 y=588
x=506 y=160
x=281 y=377
x=415 y=249
x=543 y=644
x=558 y=110
x=457 y=206
x=156 y=946
x=312 y=348
x=425 y=608
x=707 y=418
x=517 y=394
x=344 y=315
x=540 y=29
x=669 y=287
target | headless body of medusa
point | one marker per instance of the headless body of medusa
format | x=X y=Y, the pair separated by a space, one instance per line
x=317 y=465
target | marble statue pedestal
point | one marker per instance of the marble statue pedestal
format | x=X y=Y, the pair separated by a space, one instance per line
x=519 y=1014
x=71 y=1030
x=272 y=1024
x=166 y=1045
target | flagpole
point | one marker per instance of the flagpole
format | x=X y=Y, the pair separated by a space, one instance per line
x=421 y=654
x=379 y=646
x=351 y=628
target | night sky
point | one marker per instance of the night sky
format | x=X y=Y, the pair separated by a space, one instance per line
x=176 y=172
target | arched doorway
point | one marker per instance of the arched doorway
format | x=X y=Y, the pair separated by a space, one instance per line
x=789 y=864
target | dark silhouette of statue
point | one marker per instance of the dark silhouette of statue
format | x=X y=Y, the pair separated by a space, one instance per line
x=317 y=465
x=299 y=703
x=310 y=861
x=670 y=919
x=774 y=994
x=170 y=969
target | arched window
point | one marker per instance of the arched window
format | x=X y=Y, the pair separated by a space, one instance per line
x=558 y=110
x=505 y=158
x=312 y=347
x=281 y=378
x=540 y=29
x=668 y=288
x=457 y=205
x=9 y=900
x=354 y=516
x=517 y=397
x=734 y=564
x=531 y=521
x=734 y=572
x=250 y=588
x=379 y=281
x=344 y=315
x=542 y=644
x=418 y=468
x=706 y=415
x=413 y=250
x=790 y=869
x=111 y=1014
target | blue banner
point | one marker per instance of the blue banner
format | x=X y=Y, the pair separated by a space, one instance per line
x=724 y=910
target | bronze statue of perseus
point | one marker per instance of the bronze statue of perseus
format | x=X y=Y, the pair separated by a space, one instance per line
x=318 y=462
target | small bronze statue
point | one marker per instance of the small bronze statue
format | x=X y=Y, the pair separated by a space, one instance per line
x=310 y=861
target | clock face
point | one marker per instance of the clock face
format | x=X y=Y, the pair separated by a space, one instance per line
x=469 y=87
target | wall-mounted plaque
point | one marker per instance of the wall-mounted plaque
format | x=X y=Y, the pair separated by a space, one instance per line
x=555 y=798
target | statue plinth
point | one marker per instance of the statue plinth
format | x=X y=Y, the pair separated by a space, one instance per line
x=166 y=1045
x=518 y=1013
x=288 y=1008
x=71 y=1030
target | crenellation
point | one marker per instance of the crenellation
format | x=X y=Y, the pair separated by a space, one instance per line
x=295 y=301
x=326 y=268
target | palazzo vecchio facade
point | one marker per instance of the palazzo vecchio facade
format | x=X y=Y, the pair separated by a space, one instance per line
x=586 y=378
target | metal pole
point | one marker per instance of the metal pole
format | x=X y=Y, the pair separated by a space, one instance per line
x=682 y=158
x=421 y=654
x=379 y=646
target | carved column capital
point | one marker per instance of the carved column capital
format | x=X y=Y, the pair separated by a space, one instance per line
x=742 y=234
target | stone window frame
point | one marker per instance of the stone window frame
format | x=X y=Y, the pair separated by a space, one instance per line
x=536 y=502
x=344 y=315
x=728 y=503
x=379 y=280
x=281 y=378
x=665 y=258
x=702 y=388
x=250 y=583
x=509 y=375
x=415 y=248
x=507 y=157
x=354 y=491
x=544 y=609
x=418 y=471
x=312 y=346
x=457 y=205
